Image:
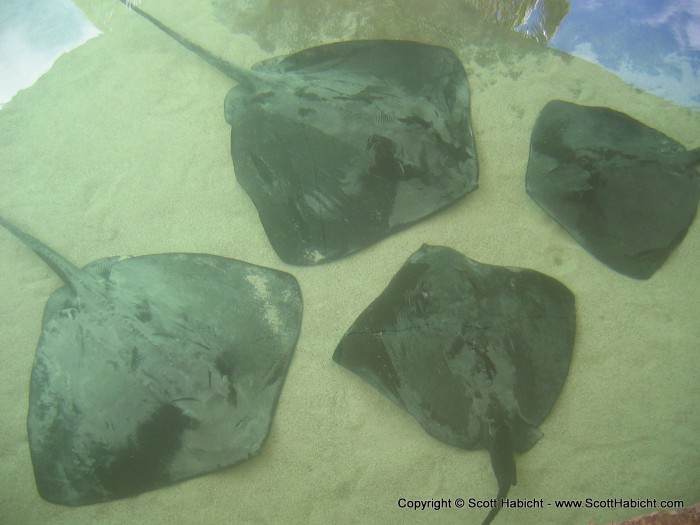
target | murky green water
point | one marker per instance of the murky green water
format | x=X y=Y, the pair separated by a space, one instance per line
x=122 y=148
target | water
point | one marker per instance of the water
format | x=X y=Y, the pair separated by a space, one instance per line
x=122 y=148
x=652 y=44
x=33 y=34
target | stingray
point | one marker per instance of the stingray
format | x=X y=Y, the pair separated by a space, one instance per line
x=340 y=145
x=154 y=369
x=626 y=192
x=478 y=354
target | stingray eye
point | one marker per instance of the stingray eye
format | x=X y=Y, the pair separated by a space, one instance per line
x=143 y=311
x=308 y=94
x=263 y=170
x=418 y=302
x=456 y=347
x=68 y=309
x=386 y=163
x=226 y=366
x=381 y=145
x=262 y=98
x=232 y=394
x=135 y=358
x=485 y=365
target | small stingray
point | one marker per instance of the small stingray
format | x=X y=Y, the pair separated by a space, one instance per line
x=154 y=369
x=342 y=144
x=478 y=354
x=626 y=192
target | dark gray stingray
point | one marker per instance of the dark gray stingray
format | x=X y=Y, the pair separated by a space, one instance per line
x=478 y=354
x=340 y=145
x=154 y=369
x=626 y=192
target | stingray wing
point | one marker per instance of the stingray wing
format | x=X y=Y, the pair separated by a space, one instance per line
x=463 y=346
x=175 y=373
x=478 y=354
x=626 y=192
x=346 y=143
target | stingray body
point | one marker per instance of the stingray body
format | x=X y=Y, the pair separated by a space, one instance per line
x=478 y=354
x=154 y=369
x=626 y=192
x=342 y=144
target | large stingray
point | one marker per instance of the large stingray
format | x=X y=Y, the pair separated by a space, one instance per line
x=626 y=192
x=340 y=145
x=478 y=354
x=154 y=369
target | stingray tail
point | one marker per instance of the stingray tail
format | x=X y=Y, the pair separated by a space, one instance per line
x=237 y=73
x=503 y=464
x=69 y=274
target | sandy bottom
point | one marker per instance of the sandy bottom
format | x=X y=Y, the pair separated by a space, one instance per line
x=122 y=148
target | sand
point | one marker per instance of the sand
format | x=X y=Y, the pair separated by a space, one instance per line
x=122 y=148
